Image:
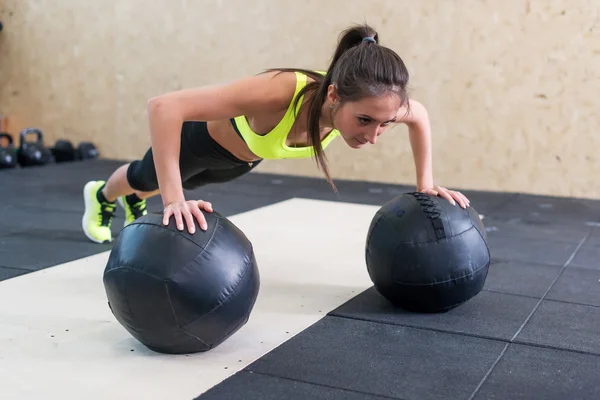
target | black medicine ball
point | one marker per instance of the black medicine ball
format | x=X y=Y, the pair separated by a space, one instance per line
x=425 y=255
x=181 y=293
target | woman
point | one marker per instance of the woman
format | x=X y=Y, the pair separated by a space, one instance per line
x=217 y=133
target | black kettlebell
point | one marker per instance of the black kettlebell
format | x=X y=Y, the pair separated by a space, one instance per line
x=87 y=151
x=64 y=151
x=32 y=153
x=8 y=155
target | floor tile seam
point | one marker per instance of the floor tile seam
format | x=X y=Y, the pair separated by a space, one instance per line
x=273 y=375
x=489 y=371
x=466 y=334
x=576 y=303
x=40 y=267
x=535 y=308
x=541 y=300
x=579 y=267
x=420 y=327
x=15 y=268
x=496 y=260
x=522 y=342
x=510 y=294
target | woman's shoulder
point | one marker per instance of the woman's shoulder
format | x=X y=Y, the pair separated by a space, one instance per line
x=282 y=78
x=280 y=86
x=293 y=75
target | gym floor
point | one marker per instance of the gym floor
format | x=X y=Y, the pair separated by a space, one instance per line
x=318 y=329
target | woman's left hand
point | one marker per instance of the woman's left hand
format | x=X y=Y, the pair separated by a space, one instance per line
x=451 y=195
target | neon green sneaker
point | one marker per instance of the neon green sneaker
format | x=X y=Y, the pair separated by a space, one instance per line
x=132 y=211
x=98 y=216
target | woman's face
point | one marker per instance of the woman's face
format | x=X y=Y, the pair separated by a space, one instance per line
x=361 y=122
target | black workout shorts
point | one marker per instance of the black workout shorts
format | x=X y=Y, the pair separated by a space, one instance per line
x=202 y=161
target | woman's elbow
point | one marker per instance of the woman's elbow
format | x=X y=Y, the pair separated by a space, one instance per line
x=160 y=106
x=155 y=103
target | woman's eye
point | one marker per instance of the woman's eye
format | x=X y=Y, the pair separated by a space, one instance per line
x=363 y=121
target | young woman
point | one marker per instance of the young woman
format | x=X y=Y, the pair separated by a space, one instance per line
x=217 y=133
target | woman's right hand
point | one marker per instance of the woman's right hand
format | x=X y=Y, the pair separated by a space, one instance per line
x=187 y=210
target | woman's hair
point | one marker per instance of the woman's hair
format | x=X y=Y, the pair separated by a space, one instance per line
x=359 y=68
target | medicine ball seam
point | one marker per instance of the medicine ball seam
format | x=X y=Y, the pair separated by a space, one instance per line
x=137 y=271
x=126 y=297
x=428 y=206
x=424 y=256
x=236 y=287
x=484 y=240
x=437 y=240
x=379 y=217
x=177 y=319
x=455 y=237
x=161 y=226
x=431 y=209
x=175 y=298
x=446 y=281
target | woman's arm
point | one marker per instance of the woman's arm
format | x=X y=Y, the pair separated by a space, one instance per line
x=248 y=96
x=419 y=130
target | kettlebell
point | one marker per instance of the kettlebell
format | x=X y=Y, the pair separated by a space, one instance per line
x=8 y=156
x=64 y=151
x=87 y=151
x=33 y=153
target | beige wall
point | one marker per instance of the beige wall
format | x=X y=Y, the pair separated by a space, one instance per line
x=511 y=87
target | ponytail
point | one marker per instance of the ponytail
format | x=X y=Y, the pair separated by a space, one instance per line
x=348 y=39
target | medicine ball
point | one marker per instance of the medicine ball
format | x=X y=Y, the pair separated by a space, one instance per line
x=425 y=255
x=181 y=293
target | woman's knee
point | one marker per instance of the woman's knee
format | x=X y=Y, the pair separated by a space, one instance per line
x=219 y=175
x=141 y=176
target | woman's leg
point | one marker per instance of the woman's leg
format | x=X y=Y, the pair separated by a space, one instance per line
x=221 y=175
x=117 y=186
x=129 y=185
x=202 y=161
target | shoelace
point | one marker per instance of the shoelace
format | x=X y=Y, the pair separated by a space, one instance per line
x=138 y=209
x=107 y=212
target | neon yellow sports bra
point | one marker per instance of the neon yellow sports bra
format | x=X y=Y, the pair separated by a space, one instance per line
x=272 y=145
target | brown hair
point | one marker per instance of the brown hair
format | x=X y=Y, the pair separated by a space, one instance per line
x=359 y=68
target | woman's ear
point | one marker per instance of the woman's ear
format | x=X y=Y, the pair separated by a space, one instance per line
x=332 y=97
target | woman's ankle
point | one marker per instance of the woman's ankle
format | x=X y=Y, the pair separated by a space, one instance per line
x=102 y=197
x=132 y=199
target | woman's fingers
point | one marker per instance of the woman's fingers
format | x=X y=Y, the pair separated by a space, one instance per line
x=166 y=216
x=205 y=205
x=188 y=215
x=178 y=218
x=444 y=193
x=187 y=211
x=200 y=218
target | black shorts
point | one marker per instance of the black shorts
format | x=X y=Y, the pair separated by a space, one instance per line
x=201 y=161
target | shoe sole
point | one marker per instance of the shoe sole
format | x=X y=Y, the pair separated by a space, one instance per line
x=85 y=217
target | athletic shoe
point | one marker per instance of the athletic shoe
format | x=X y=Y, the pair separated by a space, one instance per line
x=132 y=211
x=98 y=214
